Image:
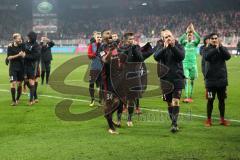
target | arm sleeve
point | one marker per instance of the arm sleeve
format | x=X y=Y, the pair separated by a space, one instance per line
x=36 y=53
x=210 y=54
x=8 y=54
x=51 y=44
x=159 y=54
x=224 y=53
x=137 y=53
x=105 y=56
x=147 y=54
x=182 y=39
x=203 y=66
x=178 y=52
x=8 y=51
x=91 y=54
x=147 y=51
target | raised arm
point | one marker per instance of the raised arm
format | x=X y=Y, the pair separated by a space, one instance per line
x=224 y=53
x=210 y=53
x=178 y=52
x=159 y=54
x=51 y=44
x=137 y=53
x=35 y=53
x=183 y=39
x=147 y=51
x=10 y=56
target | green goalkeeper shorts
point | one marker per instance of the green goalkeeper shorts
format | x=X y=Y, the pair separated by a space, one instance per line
x=190 y=71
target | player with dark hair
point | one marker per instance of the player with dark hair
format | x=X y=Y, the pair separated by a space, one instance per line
x=46 y=58
x=96 y=66
x=216 y=79
x=32 y=56
x=171 y=55
x=130 y=50
x=109 y=57
x=135 y=65
x=135 y=83
x=15 y=54
x=115 y=38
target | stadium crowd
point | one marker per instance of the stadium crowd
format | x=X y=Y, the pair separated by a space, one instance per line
x=72 y=27
x=10 y=26
x=149 y=26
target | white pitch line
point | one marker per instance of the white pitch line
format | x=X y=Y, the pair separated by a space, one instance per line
x=3 y=90
x=193 y=115
x=69 y=81
x=147 y=109
x=5 y=84
x=56 y=97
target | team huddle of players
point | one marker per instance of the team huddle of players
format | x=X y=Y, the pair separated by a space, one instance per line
x=118 y=69
x=24 y=60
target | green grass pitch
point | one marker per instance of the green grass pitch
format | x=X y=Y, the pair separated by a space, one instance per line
x=36 y=133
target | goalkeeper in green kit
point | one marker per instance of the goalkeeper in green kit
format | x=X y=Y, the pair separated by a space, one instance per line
x=190 y=62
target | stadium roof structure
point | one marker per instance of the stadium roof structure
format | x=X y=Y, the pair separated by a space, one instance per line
x=124 y=4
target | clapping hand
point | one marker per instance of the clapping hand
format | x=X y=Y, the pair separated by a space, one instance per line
x=22 y=54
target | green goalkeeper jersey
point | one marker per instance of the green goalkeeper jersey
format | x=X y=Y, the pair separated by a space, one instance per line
x=191 y=49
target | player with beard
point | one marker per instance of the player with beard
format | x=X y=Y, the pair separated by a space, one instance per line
x=129 y=49
x=32 y=56
x=96 y=66
x=139 y=84
x=15 y=54
x=171 y=55
x=216 y=79
x=122 y=107
x=134 y=66
x=109 y=57
x=116 y=38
